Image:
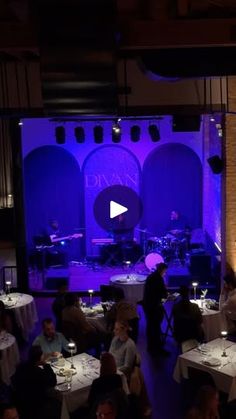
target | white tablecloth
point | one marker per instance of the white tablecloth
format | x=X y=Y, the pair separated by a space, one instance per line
x=213 y=322
x=24 y=309
x=224 y=376
x=132 y=284
x=9 y=356
x=81 y=382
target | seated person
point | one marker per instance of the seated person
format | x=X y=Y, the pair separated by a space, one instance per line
x=32 y=383
x=8 y=411
x=187 y=318
x=51 y=342
x=123 y=348
x=228 y=301
x=108 y=381
x=123 y=310
x=77 y=327
x=106 y=409
x=206 y=404
x=59 y=303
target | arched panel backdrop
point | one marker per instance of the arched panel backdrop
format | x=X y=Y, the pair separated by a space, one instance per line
x=52 y=190
x=106 y=166
x=171 y=179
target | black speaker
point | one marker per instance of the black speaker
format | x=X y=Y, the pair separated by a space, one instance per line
x=186 y=123
x=135 y=132
x=98 y=134
x=79 y=135
x=200 y=266
x=216 y=164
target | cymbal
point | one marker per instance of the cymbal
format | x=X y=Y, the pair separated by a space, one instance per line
x=143 y=231
x=176 y=231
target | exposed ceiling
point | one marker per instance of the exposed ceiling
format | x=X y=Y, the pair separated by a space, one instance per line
x=77 y=45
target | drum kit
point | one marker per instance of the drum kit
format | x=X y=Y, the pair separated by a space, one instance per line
x=170 y=248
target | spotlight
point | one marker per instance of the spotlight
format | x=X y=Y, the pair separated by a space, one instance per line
x=135 y=133
x=98 y=134
x=154 y=133
x=60 y=135
x=116 y=134
x=79 y=135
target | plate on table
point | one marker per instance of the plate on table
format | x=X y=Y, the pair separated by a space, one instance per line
x=212 y=362
x=63 y=372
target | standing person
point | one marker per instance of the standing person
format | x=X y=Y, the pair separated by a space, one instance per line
x=59 y=303
x=154 y=292
x=228 y=301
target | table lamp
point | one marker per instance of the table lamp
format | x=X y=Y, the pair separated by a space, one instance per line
x=127 y=264
x=8 y=285
x=195 y=284
x=224 y=335
x=90 y=297
x=72 y=349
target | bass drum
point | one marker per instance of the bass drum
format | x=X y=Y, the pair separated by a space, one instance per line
x=152 y=259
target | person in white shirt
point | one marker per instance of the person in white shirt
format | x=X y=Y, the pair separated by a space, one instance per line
x=228 y=301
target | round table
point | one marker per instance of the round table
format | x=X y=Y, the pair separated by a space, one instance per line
x=9 y=356
x=24 y=309
x=132 y=285
x=213 y=322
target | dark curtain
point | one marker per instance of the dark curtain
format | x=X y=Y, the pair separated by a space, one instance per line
x=6 y=183
x=171 y=180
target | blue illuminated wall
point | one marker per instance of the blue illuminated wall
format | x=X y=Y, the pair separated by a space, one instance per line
x=167 y=174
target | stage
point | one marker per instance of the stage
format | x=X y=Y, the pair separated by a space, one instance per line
x=82 y=277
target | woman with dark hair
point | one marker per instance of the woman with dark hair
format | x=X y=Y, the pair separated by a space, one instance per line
x=108 y=381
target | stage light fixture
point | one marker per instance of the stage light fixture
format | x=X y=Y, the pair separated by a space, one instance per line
x=98 y=134
x=60 y=135
x=79 y=135
x=135 y=133
x=116 y=135
x=154 y=133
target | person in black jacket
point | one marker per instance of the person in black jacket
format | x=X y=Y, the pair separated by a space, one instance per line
x=32 y=384
x=154 y=292
x=109 y=384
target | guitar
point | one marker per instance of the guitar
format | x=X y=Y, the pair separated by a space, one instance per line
x=55 y=239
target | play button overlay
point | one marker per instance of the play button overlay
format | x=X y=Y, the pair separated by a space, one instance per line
x=117 y=208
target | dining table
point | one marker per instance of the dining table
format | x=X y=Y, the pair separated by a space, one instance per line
x=24 y=309
x=9 y=356
x=132 y=285
x=75 y=393
x=213 y=320
x=218 y=358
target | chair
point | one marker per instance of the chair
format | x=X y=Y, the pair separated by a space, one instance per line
x=200 y=378
x=189 y=344
x=134 y=325
x=107 y=292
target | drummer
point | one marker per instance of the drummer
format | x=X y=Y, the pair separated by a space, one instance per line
x=177 y=225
